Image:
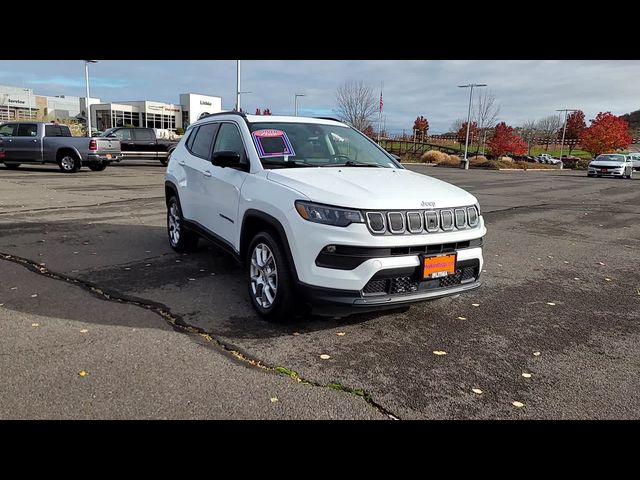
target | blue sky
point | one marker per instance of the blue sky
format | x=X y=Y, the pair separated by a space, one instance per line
x=524 y=89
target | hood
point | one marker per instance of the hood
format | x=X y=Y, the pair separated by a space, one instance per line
x=371 y=188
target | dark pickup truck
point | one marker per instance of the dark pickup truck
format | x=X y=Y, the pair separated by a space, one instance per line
x=141 y=143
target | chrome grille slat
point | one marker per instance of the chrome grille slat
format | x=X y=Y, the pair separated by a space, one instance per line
x=430 y=220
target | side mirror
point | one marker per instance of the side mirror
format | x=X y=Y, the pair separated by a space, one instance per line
x=111 y=135
x=226 y=159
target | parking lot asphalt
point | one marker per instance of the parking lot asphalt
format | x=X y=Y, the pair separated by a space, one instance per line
x=88 y=283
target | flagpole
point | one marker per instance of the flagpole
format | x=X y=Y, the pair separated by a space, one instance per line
x=380 y=114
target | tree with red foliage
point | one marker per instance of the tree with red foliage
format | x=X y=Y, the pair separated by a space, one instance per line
x=421 y=126
x=266 y=112
x=258 y=112
x=606 y=133
x=462 y=133
x=505 y=140
x=575 y=127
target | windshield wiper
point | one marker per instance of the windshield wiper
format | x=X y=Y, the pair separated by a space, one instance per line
x=351 y=163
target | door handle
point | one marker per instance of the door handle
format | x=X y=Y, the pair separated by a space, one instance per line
x=34 y=141
x=206 y=173
x=181 y=162
x=152 y=143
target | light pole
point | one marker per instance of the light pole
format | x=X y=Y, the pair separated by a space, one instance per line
x=296 y=101
x=238 y=91
x=466 y=142
x=87 y=107
x=28 y=93
x=564 y=130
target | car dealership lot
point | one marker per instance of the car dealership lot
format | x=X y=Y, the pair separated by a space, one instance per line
x=561 y=261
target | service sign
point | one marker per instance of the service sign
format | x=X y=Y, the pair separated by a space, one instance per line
x=272 y=143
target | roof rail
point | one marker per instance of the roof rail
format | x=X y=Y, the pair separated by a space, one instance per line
x=329 y=118
x=232 y=112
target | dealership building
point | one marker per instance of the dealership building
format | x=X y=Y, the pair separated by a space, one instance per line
x=17 y=103
x=157 y=115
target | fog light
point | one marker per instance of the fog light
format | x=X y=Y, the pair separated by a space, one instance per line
x=330 y=249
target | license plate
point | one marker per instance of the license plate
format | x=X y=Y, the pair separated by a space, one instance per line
x=439 y=266
x=108 y=155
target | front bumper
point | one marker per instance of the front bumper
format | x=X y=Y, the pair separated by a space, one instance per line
x=104 y=157
x=618 y=172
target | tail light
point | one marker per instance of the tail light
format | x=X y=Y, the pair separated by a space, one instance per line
x=93 y=145
x=2 y=154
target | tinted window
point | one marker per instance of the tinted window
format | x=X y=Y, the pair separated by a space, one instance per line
x=229 y=140
x=145 y=134
x=7 y=130
x=27 y=130
x=201 y=145
x=191 y=137
x=123 y=134
x=56 y=131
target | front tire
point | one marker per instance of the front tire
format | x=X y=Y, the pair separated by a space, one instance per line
x=270 y=282
x=180 y=239
x=12 y=166
x=98 y=166
x=69 y=163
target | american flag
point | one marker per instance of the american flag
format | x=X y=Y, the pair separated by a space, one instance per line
x=381 y=102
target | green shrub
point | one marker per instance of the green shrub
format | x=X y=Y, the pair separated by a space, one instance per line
x=179 y=131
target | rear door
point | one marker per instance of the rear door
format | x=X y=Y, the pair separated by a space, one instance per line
x=27 y=143
x=144 y=143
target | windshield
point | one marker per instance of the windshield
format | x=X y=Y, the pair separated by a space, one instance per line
x=282 y=144
x=610 y=158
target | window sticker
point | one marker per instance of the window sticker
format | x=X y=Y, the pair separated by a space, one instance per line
x=272 y=143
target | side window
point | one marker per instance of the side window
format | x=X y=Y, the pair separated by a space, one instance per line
x=201 y=146
x=123 y=134
x=191 y=137
x=7 y=130
x=229 y=140
x=145 y=134
x=27 y=130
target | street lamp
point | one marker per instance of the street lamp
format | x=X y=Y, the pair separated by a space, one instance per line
x=466 y=142
x=296 y=101
x=564 y=130
x=29 y=93
x=87 y=107
x=238 y=91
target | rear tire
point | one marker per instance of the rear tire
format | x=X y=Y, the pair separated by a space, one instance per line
x=98 y=167
x=269 y=279
x=180 y=239
x=590 y=175
x=12 y=166
x=69 y=163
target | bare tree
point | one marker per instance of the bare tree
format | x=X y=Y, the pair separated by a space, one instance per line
x=529 y=132
x=548 y=128
x=457 y=125
x=356 y=104
x=485 y=114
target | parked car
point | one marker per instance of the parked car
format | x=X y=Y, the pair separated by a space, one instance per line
x=635 y=158
x=611 y=164
x=141 y=143
x=546 y=158
x=320 y=215
x=48 y=142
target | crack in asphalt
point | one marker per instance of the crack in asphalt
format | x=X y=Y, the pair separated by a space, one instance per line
x=179 y=325
x=77 y=206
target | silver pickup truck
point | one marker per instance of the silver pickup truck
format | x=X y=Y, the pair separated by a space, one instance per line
x=43 y=142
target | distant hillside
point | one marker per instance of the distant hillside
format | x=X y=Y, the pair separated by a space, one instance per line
x=634 y=121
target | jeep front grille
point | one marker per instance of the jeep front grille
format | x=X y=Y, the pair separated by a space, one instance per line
x=409 y=222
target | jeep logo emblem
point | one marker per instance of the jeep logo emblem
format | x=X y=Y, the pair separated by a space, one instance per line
x=428 y=204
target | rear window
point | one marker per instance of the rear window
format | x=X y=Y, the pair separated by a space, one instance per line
x=56 y=131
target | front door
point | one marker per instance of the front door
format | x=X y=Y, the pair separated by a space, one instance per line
x=126 y=141
x=223 y=185
x=26 y=144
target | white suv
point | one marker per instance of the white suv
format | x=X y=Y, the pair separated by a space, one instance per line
x=320 y=215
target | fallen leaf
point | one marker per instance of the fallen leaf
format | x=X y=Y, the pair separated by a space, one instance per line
x=34 y=295
x=202 y=269
x=295 y=334
x=536 y=354
x=212 y=274
x=607 y=279
x=148 y=265
x=324 y=356
x=178 y=261
x=341 y=334
x=84 y=330
x=566 y=261
x=551 y=303
x=576 y=278
x=14 y=288
x=600 y=225
x=192 y=279
x=1 y=304
x=549 y=256
x=476 y=390
x=462 y=318
x=35 y=325
x=147 y=251
x=82 y=373
x=526 y=375
x=601 y=263
x=439 y=352
x=499 y=264
x=475 y=304
x=42 y=264
x=518 y=404
x=75 y=252
x=127 y=268
x=274 y=399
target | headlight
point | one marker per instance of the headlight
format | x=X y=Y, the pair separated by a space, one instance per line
x=339 y=217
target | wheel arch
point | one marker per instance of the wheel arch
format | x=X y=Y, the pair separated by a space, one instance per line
x=253 y=222
x=170 y=190
x=68 y=149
